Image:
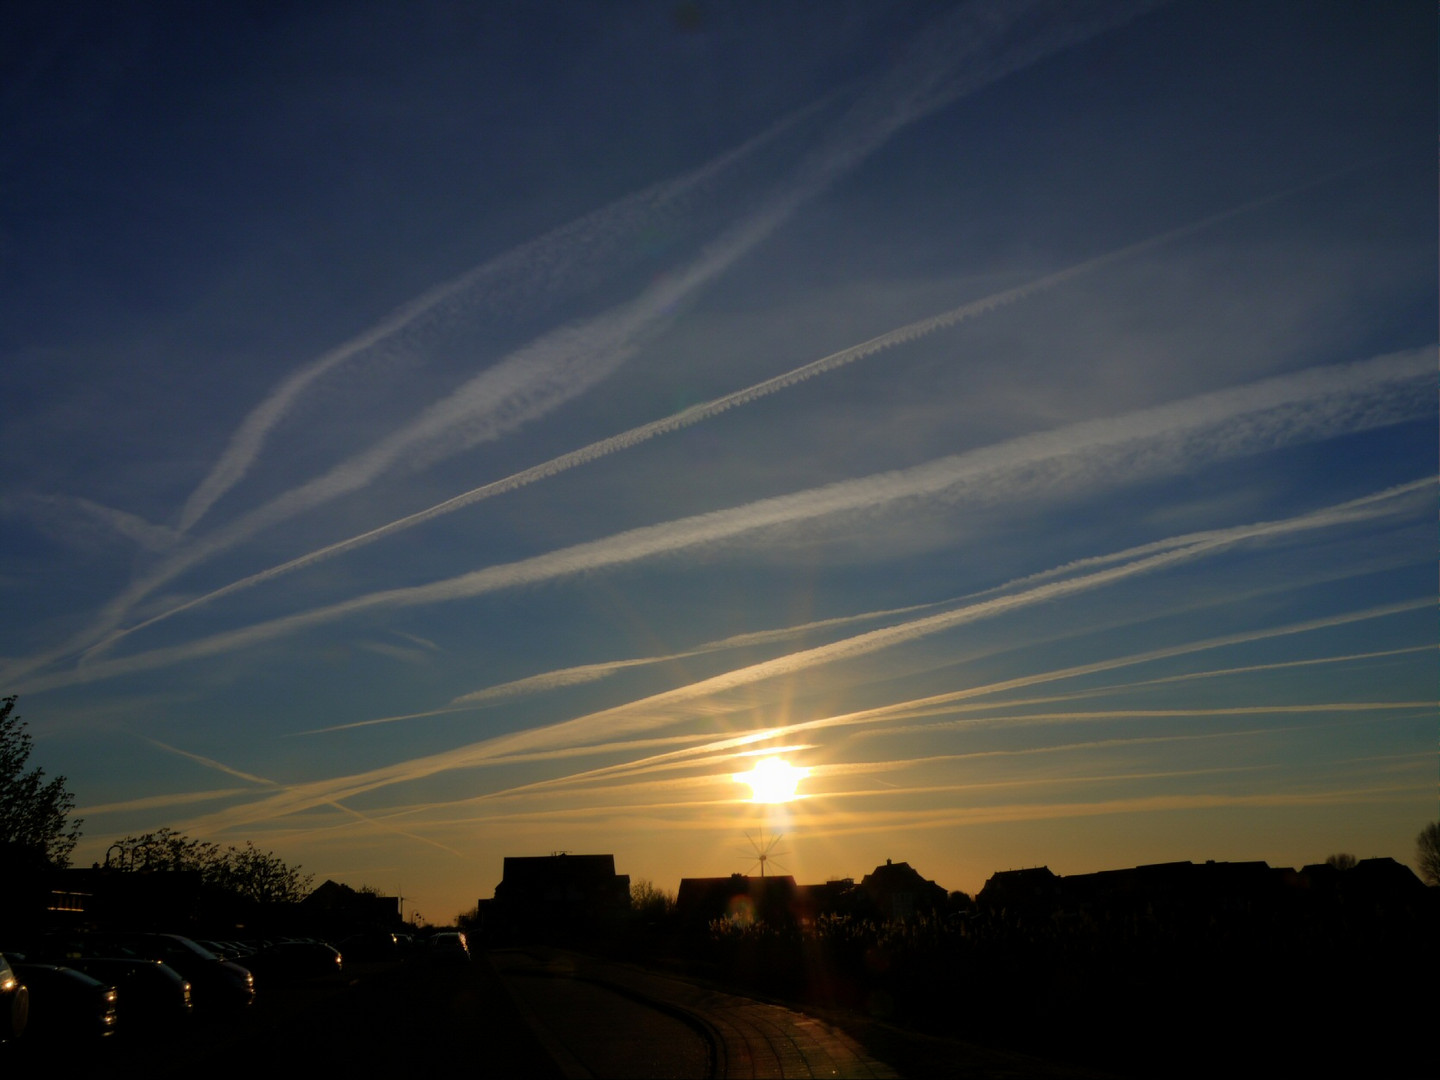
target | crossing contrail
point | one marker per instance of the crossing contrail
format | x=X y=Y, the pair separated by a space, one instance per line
x=660 y=710
x=705 y=410
x=958 y=54
x=580 y=252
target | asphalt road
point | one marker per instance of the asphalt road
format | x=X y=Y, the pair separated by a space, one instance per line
x=519 y=1013
x=603 y=1019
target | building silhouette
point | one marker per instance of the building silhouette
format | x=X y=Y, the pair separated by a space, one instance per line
x=558 y=896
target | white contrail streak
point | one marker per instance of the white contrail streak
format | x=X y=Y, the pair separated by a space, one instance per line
x=659 y=710
x=545 y=681
x=1309 y=405
x=582 y=248
x=705 y=410
x=707 y=754
x=983 y=42
x=963 y=700
x=67 y=517
x=211 y=763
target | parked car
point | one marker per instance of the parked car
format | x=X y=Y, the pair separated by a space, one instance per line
x=67 y=1006
x=292 y=961
x=14 y=1003
x=216 y=985
x=154 y=996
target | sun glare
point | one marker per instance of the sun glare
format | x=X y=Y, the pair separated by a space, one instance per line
x=772 y=780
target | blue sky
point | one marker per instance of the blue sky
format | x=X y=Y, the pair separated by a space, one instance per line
x=443 y=432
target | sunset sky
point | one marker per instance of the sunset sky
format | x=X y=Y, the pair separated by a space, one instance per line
x=441 y=431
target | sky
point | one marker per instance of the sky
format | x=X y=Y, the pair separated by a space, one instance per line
x=444 y=431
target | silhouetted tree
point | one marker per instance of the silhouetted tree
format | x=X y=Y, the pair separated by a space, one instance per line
x=469 y=919
x=34 y=815
x=259 y=876
x=649 y=901
x=262 y=876
x=1427 y=853
x=1340 y=861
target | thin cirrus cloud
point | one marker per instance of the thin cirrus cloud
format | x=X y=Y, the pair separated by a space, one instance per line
x=880 y=721
x=1399 y=500
x=582 y=674
x=831 y=820
x=365 y=819
x=873 y=820
x=956 y=55
x=570 y=257
x=1312 y=405
x=660 y=710
x=704 y=411
x=711 y=756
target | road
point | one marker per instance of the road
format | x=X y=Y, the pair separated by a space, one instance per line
x=530 y=1012
x=599 y=1018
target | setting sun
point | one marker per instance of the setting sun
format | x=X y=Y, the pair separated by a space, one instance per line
x=772 y=780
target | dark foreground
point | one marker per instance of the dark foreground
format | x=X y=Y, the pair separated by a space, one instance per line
x=526 y=1013
x=374 y=1019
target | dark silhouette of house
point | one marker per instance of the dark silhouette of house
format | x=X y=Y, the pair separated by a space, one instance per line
x=892 y=891
x=775 y=901
x=1035 y=888
x=346 y=910
x=897 y=891
x=557 y=896
x=1177 y=893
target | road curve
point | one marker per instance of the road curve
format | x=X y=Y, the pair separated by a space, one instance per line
x=604 y=1019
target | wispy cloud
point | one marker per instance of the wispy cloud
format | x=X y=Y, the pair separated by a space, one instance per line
x=1311 y=405
x=1280 y=665
x=159 y=802
x=697 y=413
x=551 y=680
x=660 y=710
x=881 y=721
x=950 y=702
x=403 y=653
x=211 y=763
x=821 y=821
x=892 y=822
x=575 y=254
x=72 y=519
x=956 y=55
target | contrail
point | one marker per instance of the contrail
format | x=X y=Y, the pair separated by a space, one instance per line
x=989 y=40
x=659 y=709
x=546 y=681
x=157 y=802
x=583 y=249
x=964 y=701
x=705 y=410
x=860 y=822
x=211 y=763
x=1303 y=407
x=66 y=516
x=579 y=783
